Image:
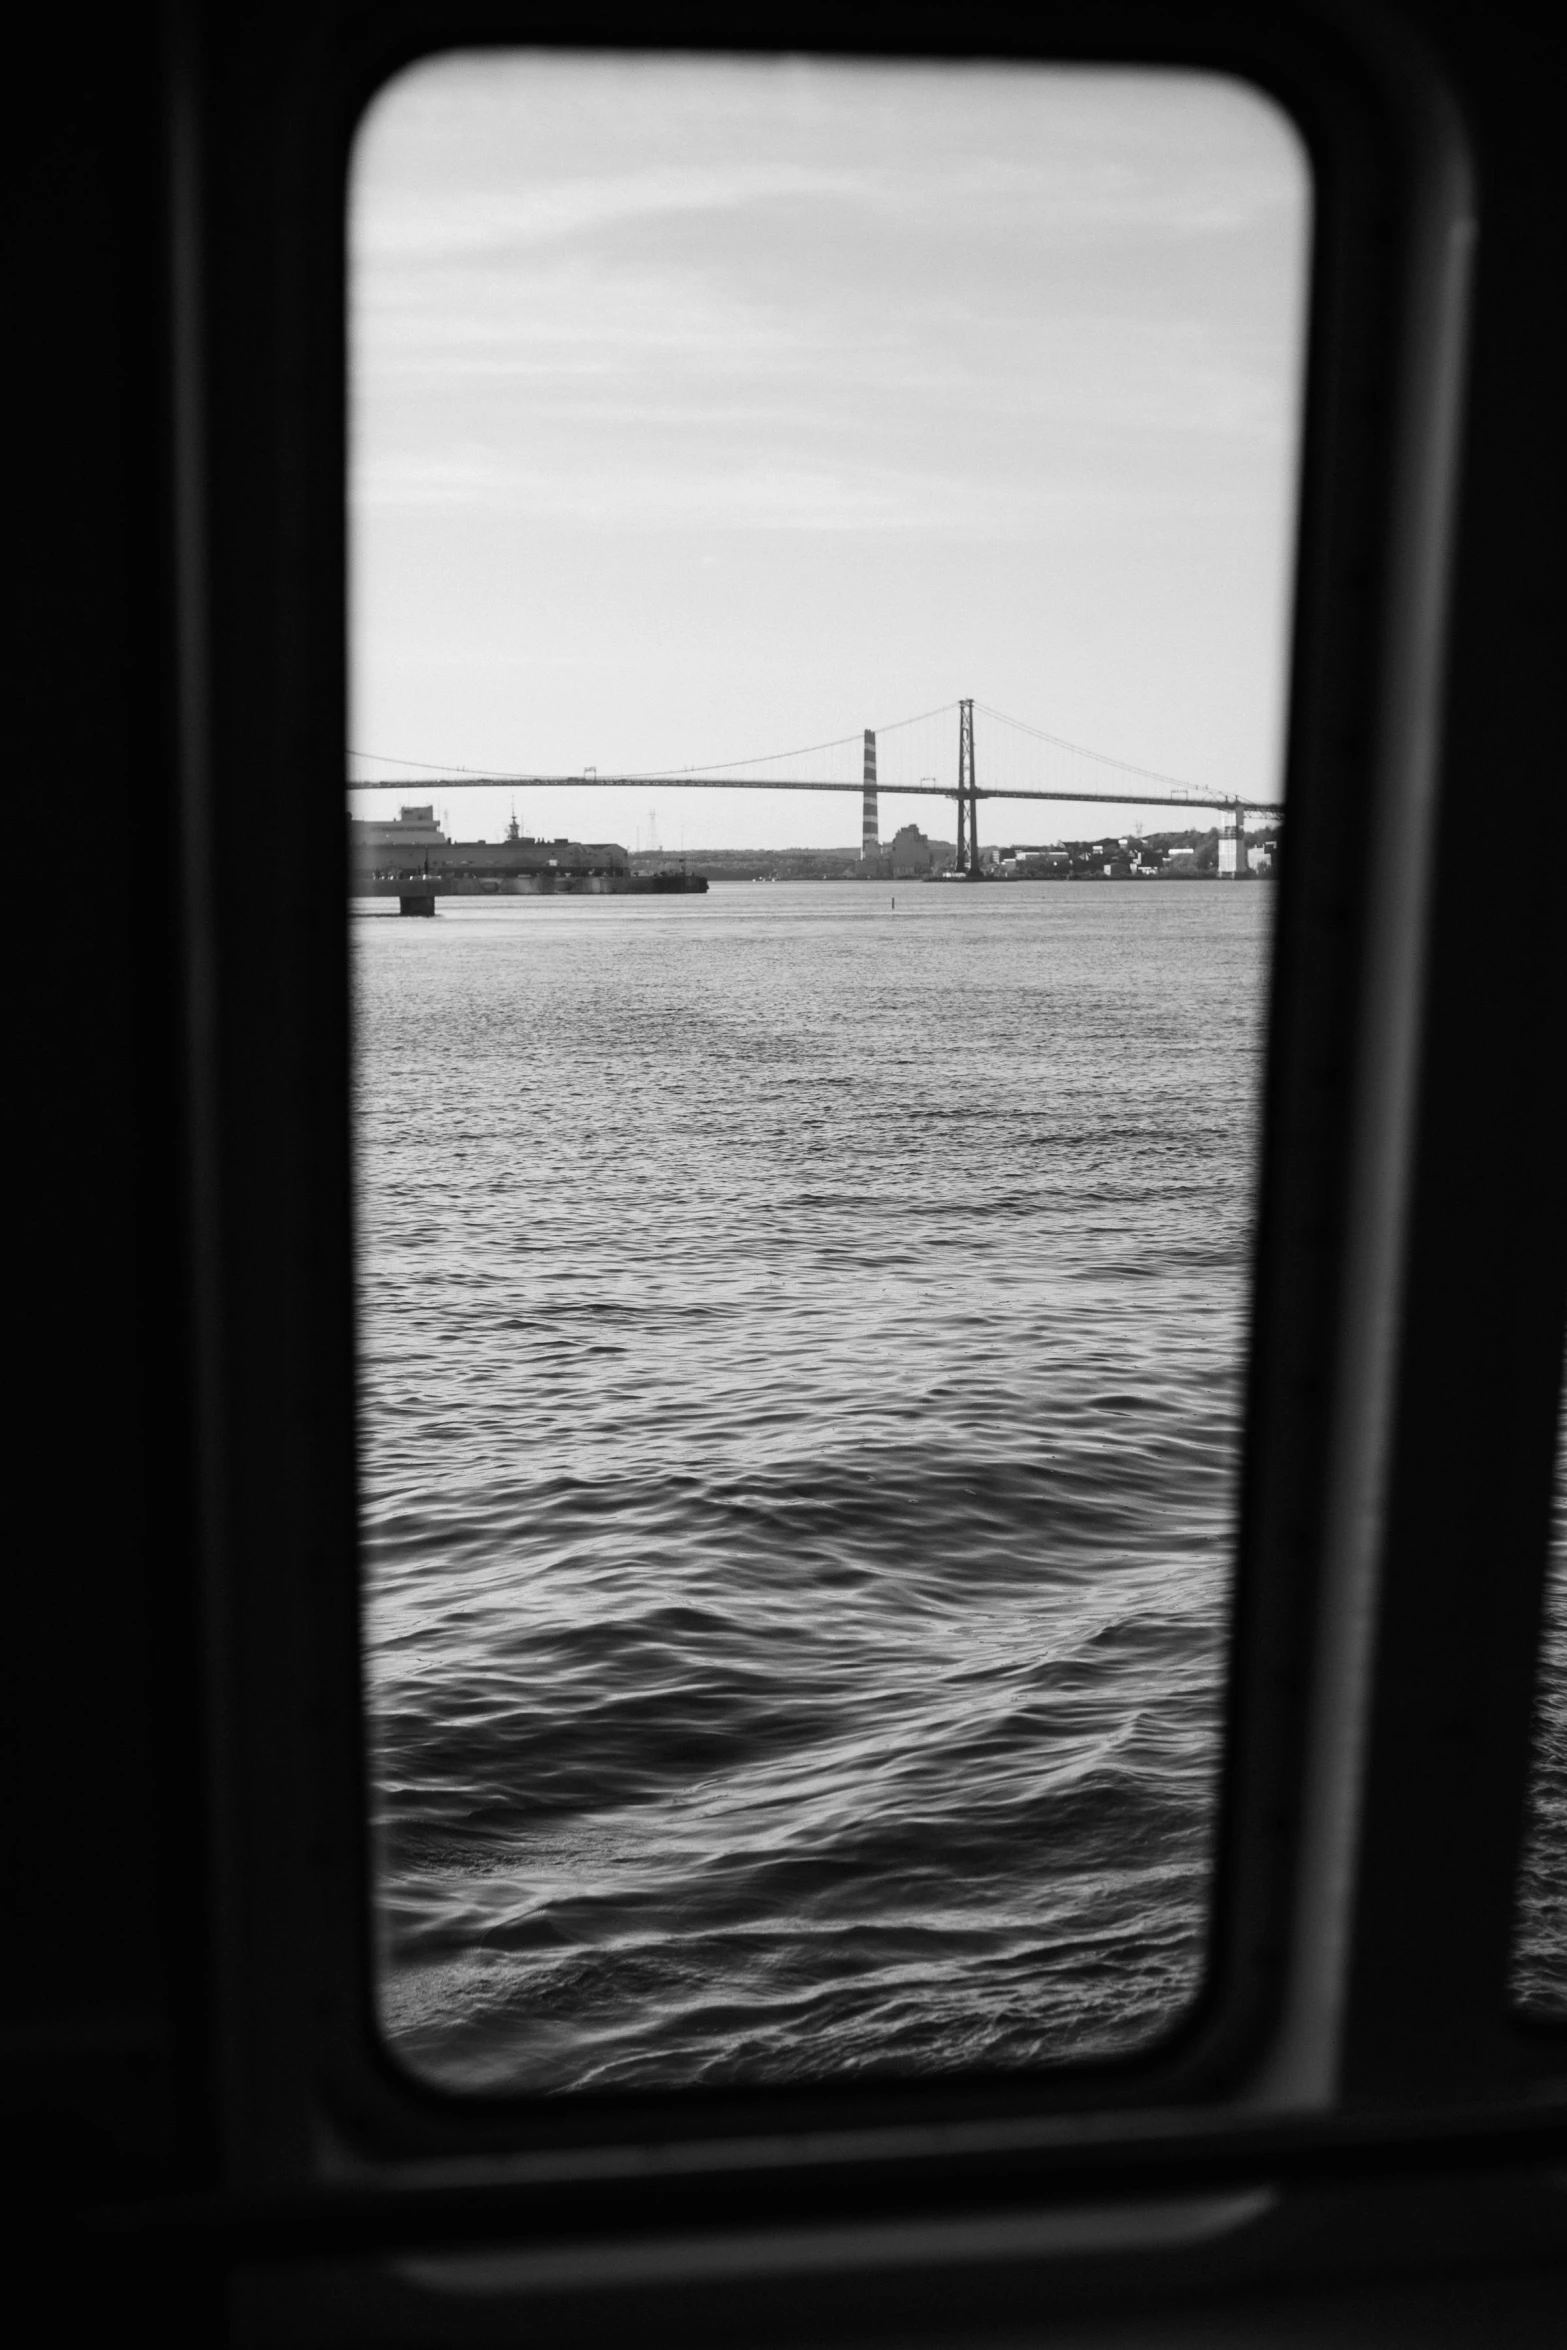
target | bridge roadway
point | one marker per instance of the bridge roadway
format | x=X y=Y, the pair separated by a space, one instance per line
x=1130 y=798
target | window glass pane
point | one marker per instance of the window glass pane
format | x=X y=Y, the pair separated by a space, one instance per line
x=804 y=1226
x=1540 y=1957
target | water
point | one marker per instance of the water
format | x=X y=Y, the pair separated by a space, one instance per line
x=1540 y=1928
x=800 y=1391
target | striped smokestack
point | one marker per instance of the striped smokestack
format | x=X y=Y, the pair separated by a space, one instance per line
x=870 y=843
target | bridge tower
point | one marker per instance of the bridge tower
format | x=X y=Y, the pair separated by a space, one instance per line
x=968 y=795
x=870 y=841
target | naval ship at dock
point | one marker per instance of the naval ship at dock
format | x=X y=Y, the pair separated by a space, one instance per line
x=411 y=859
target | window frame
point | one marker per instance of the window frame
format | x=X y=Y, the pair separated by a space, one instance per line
x=1308 y=2020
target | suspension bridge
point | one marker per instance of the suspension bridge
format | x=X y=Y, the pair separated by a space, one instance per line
x=904 y=760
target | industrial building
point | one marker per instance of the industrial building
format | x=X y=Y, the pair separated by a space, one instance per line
x=385 y=855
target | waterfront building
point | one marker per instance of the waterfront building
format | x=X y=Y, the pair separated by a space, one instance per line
x=1232 y=849
x=912 y=857
x=383 y=852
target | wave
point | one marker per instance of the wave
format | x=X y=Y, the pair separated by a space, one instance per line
x=798 y=1464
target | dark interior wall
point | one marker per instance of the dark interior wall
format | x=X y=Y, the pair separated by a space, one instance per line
x=1481 y=1348
x=100 y=1792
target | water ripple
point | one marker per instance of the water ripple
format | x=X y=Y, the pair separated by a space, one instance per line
x=800 y=1406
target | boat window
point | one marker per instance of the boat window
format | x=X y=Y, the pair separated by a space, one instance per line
x=821 y=551
x=1540 y=1954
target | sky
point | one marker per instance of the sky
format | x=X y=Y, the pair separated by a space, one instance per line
x=703 y=408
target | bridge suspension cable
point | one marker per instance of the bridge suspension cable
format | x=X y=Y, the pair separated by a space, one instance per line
x=1059 y=742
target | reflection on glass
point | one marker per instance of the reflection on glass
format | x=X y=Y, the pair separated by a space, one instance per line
x=804 y=1228
x=1540 y=1954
